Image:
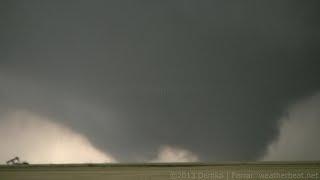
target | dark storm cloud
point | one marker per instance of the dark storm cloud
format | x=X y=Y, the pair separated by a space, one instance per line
x=209 y=76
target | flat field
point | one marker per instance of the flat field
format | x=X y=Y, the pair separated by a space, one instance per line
x=174 y=171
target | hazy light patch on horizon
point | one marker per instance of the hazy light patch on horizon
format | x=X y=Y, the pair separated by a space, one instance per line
x=175 y=154
x=39 y=140
x=299 y=133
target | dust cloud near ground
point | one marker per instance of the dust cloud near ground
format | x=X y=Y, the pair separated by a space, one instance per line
x=39 y=140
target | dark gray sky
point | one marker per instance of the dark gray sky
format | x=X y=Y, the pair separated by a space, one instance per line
x=213 y=77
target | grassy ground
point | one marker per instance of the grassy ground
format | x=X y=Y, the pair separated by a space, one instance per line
x=176 y=171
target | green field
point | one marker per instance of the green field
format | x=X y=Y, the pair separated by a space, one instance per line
x=175 y=171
